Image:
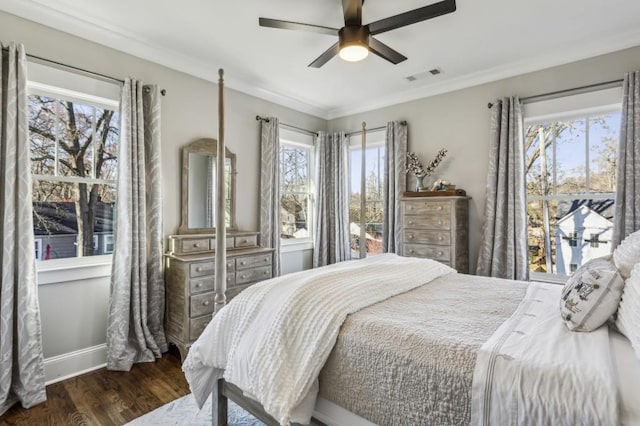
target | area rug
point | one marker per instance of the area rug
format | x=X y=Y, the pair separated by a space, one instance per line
x=184 y=412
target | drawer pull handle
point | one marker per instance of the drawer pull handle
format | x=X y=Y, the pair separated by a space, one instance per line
x=411 y=251
x=205 y=303
x=440 y=253
x=196 y=245
x=243 y=241
x=410 y=222
x=266 y=259
x=243 y=276
x=198 y=285
x=440 y=238
x=439 y=207
x=199 y=269
x=411 y=237
x=266 y=272
x=243 y=263
x=439 y=222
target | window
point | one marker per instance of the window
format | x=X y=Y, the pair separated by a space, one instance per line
x=38 y=244
x=296 y=208
x=366 y=225
x=108 y=242
x=571 y=184
x=74 y=147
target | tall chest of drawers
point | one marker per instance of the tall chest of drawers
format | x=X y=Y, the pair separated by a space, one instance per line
x=437 y=228
x=190 y=280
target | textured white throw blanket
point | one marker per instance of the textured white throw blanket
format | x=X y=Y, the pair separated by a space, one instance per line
x=534 y=371
x=273 y=339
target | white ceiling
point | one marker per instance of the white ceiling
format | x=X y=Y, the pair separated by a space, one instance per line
x=482 y=41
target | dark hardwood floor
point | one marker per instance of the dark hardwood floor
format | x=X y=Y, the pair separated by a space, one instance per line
x=105 y=397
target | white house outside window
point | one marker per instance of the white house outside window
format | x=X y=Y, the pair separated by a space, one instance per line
x=571 y=183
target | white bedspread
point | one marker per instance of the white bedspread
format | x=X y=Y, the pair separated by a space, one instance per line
x=273 y=339
x=534 y=371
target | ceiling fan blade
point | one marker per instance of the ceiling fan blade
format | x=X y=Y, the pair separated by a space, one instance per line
x=288 y=25
x=326 y=56
x=412 y=16
x=385 y=52
x=352 y=12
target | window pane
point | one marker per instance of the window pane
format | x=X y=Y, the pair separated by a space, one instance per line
x=64 y=232
x=43 y=129
x=107 y=135
x=570 y=158
x=293 y=216
x=604 y=134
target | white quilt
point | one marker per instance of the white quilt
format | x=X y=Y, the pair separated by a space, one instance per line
x=255 y=342
x=534 y=371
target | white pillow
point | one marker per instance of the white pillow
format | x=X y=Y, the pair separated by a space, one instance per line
x=627 y=254
x=591 y=295
x=628 y=320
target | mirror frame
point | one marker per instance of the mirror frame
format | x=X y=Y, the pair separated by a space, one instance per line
x=204 y=146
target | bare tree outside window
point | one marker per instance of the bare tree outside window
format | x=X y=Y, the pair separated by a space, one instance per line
x=74 y=148
x=295 y=192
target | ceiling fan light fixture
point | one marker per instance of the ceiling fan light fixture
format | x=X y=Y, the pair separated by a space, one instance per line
x=354 y=52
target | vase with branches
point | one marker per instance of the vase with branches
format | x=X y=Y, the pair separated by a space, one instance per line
x=415 y=167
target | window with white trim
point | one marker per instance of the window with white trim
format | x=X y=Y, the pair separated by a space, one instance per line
x=108 y=243
x=366 y=224
x=571 y=184
x=38 y=246
x=296 y=189
x=73 y=137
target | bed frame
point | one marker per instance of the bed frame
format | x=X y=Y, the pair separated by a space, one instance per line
x=223 y=391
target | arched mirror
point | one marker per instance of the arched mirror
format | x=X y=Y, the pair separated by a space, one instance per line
x=199 y=187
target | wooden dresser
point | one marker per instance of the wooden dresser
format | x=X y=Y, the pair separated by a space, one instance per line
x=190 y=278
x=437 y=228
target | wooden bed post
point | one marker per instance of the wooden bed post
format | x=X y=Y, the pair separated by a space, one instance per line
x=218 y=405
x=221 y=227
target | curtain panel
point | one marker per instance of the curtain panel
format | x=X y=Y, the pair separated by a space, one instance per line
x=627 y=214
x=503 y=247
x=21 y=358
x=395 y=183
x=331 y=233
x=135 y=331
x=270 y=188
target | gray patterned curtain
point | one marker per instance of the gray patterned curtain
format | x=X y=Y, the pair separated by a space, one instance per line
x=270 y=188
x=21 y=359
x=331 y=233
x=135 y=330
x=503 y=248
x=395 y=183
x=627 y=216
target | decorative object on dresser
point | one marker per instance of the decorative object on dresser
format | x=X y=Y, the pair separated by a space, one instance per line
x=415 y=167
x=436 y=227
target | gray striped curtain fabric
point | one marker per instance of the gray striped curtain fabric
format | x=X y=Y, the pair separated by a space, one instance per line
x=21 y=358
x=135 y=331
x=395 y=183
x=270 y=188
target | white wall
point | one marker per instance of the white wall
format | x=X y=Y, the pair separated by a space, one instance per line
x=460 y=122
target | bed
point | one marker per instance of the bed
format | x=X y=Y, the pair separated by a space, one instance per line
x=414 y=343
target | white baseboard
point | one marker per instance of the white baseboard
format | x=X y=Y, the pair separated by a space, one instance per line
x=65 y=366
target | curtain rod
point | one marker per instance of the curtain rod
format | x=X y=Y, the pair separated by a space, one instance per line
x=104 y=77
x=374 y=129
x=266 y=120
x=573 y=91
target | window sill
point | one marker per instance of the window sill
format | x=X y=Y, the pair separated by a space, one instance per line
x=291 y=246
x=73 y=269
x=548 y=278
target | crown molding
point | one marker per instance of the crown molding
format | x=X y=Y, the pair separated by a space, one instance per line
x=120 y=39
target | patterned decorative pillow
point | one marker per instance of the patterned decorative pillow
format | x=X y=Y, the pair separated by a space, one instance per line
x=591 y=295
x=627 y=254
x=628 y=321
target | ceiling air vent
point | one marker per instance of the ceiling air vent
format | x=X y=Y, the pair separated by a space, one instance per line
x=424 y=75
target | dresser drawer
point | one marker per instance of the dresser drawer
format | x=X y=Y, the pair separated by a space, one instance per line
x=201 y=304
x=426 y=222
x=244 y=262
x=427 y=251
x=201 y=269
x=249 y=275
x=197 y=326
x=194 y=245
x=427 y=207
x=199 y=285
x=427 y=237
x=229 y=243
x=246 y=241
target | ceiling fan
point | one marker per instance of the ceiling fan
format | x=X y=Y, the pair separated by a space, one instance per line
x=355 y=40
